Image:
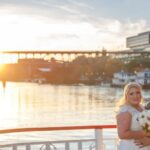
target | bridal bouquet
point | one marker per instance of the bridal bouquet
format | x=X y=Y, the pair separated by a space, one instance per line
x=144 y=120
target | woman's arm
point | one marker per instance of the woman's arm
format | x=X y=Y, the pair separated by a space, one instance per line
x=143 y=142
x=123 y=127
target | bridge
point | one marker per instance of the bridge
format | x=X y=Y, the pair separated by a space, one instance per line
x=70 y=54
x=27 y=65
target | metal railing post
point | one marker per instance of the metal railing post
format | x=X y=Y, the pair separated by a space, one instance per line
x=79 y=145
x=99 y=139
x=27 y=146
x=67 y=146
x=14 y=147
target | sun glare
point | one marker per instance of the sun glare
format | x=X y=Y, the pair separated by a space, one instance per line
x=7 y=58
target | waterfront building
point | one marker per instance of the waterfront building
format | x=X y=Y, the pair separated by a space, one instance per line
x=143 y=78
x=139 y=42
x=122 y=77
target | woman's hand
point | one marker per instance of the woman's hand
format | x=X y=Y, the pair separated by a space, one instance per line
x=148 y=134
x=143 y=142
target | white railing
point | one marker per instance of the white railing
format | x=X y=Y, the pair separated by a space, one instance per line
x=96 y=143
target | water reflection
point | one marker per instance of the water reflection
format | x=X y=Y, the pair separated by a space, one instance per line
x=29 y=104
x=8 y=106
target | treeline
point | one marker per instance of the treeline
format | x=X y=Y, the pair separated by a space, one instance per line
x=83 y=69
x=95 y=69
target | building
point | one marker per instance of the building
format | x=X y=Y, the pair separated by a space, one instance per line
x=143 y=78
x=121 y=78
x=139 y=42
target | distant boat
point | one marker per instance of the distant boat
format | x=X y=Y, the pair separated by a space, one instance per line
x=103 y=84
x=37 y=80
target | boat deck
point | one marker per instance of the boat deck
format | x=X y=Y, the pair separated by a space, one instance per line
x=97 y=142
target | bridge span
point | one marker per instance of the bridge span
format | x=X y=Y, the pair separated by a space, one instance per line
x=69 y=55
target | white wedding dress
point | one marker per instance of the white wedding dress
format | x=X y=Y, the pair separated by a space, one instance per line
x=129 y=144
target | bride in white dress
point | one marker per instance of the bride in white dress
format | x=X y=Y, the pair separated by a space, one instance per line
x=127 y=125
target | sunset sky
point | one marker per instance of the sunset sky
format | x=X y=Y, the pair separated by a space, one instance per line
x=71 y=24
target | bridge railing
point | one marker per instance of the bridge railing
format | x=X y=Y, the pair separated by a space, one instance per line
x=96 y=143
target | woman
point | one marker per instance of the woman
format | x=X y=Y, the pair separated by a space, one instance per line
x=127 y=124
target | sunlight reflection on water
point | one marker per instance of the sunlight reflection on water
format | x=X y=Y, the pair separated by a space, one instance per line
x=30 y=104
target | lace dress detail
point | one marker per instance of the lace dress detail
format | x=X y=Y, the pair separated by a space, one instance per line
x=129 y=143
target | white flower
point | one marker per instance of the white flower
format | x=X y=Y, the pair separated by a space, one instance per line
x=144 y=120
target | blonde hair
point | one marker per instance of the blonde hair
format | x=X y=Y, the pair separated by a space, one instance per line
x=127 y=87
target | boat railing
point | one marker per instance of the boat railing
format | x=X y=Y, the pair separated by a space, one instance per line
x=96 y=143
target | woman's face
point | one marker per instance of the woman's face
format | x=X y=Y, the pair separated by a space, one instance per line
x=134 y=96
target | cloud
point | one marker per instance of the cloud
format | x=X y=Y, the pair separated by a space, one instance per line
x=131 y=28
x=62 y=36
x=72 y=24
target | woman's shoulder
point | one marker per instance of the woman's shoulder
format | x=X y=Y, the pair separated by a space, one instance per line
x=129 y=109
x=125 y=108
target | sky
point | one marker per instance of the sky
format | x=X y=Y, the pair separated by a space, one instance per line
x=71 y=24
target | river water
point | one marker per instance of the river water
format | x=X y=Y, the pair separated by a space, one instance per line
x=33 y=105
